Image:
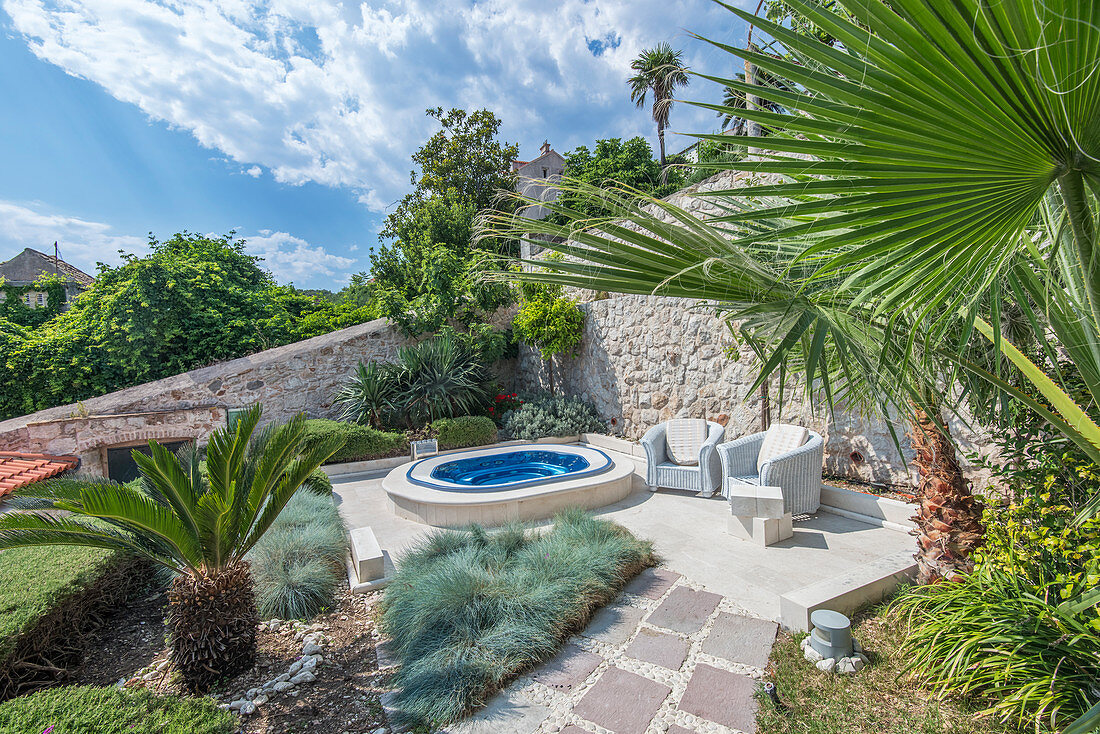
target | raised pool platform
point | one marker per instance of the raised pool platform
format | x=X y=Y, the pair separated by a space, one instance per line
x=452 y=490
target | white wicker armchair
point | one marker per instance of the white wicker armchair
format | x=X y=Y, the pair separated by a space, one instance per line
x=704 y=478
x=796 y=472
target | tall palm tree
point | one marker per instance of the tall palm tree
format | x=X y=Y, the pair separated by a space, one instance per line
x=199 y=524
x=660 y=71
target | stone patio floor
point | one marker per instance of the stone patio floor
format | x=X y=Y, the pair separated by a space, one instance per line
x=682 y=648
x=666 y=656
x=690 y=535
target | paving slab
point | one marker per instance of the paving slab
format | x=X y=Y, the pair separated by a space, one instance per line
x=659 y=648
x=722 y=697
x=614 y=624
x=652 y=583
x=685 y=610
x=504 y=714
x=741 y=639
x=569 y=668
x=622 y=702
x=574 y=729
x=674 y=729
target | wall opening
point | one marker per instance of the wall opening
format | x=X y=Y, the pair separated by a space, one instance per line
x=121 y=466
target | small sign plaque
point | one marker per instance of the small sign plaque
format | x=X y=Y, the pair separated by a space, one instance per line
x=424 y=448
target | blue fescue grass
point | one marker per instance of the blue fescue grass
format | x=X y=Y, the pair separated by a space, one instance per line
x=299 y=563
x=470 y=610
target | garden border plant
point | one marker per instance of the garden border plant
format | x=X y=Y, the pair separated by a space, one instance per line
x=470 y=610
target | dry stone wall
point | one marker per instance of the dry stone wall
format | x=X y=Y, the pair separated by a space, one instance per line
x=297 y=378
x=646 y=359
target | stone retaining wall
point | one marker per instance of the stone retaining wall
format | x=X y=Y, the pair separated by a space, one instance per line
x=297 y=378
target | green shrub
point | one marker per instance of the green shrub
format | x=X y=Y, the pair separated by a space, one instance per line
x=81 y=709
x=318 y=482
x=552 y=416
x=361 y=442
x=1023 y=630
x=298 y=564
x=470 y=610
x=467 y=430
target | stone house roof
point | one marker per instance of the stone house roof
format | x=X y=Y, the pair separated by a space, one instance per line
x=29 y=265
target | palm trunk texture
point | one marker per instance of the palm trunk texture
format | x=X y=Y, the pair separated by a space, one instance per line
x=212 y=622
x=949 y=526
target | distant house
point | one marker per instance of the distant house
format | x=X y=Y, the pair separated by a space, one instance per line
x=534 y=179
x=29 y=265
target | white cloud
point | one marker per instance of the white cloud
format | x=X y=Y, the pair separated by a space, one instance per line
x=254 y=171
x=292 y=259
x=85 y=243
x=81 y=242
x=334 y=93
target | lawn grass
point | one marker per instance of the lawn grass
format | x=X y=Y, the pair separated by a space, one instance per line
x=80 y=710
x=875 y=701
x=469 y=610
x=33 y=580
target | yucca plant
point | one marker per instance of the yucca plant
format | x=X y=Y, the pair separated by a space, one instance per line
x=199 y=524
x=441 y=377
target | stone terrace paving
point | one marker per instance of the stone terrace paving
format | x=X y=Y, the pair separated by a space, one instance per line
x=681 y=649
x=667 y=656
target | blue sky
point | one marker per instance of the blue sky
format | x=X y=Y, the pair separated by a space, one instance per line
x=292 y=121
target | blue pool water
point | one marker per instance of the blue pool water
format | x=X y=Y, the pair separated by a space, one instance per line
x=509 y=468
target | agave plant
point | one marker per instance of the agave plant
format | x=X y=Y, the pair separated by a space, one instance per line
x=199 y=524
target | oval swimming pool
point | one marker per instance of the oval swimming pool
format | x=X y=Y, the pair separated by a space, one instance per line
x=496 y=469
x=509 y=468
x=497 y=484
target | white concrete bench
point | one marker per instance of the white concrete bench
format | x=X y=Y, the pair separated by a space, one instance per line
x=757 y=514
x=367 y=566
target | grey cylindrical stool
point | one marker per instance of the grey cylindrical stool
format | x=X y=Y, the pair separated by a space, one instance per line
x=832 y=634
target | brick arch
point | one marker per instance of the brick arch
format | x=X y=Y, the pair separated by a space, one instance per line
x=141 y=436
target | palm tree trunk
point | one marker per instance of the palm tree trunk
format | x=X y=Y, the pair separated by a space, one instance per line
x=661 y=140
x=949 y=526
x=212 y=623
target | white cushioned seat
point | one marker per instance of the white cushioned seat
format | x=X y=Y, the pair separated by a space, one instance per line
x=685 y=437
x=780 y=439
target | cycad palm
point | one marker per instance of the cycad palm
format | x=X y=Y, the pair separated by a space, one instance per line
x=198 y=524
x=660 y=71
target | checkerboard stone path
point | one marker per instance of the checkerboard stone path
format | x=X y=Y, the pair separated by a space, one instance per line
x=667 y=657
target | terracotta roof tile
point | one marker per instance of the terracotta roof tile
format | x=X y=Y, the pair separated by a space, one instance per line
x=20 y=469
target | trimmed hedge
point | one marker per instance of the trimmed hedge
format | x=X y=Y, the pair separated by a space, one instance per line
x=83 y=709
x=361 y=442
x=50 y=596
x=469 y=430
x=547 y=415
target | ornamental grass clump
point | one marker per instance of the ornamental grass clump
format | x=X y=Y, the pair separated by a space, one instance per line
x=1023 y=631
x=470 y=610
x=299 y=562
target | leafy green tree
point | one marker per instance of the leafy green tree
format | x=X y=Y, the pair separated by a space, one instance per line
x=617 y=161
x=660 y=70
x=191 y=301
x=199 y=524
x=549 y=321
x=430 y=274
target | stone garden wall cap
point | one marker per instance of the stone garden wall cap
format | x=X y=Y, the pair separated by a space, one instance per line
x=827 y=619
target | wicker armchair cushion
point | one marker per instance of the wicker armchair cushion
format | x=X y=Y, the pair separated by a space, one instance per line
x=778 y=440
x=684 y=438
